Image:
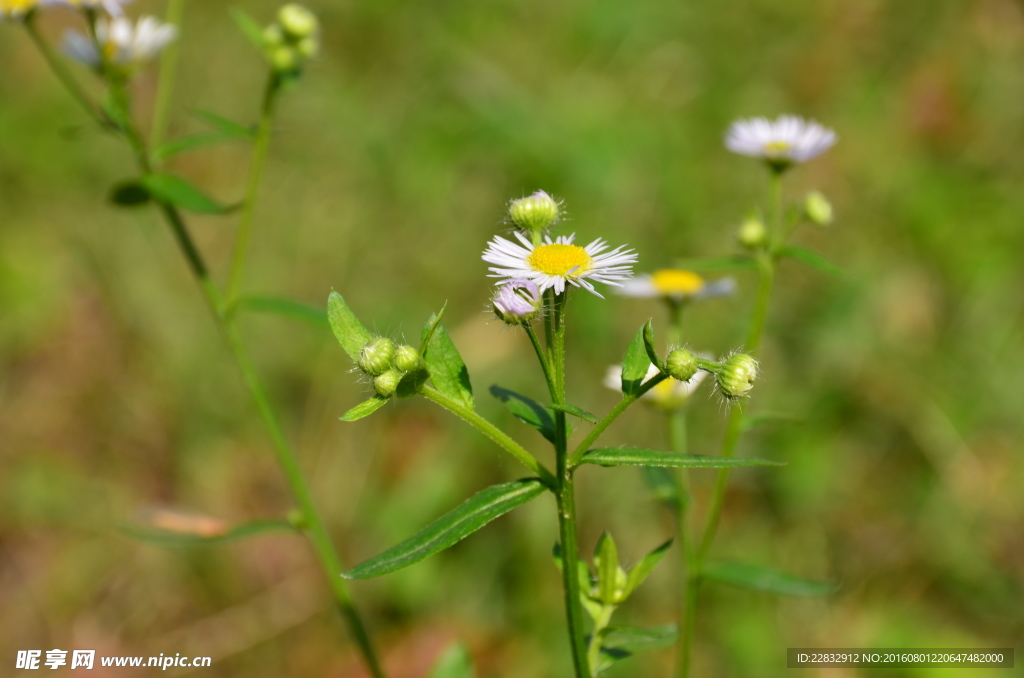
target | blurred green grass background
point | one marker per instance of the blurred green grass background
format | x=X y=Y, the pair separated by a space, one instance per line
x=389 y=170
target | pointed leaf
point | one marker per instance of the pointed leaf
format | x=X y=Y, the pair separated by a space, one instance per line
x=225 y=126
x=176 y=191
x=635 y=364
x=365 y=408
x=769 y=418
x=250 y=27
x=172 y=529
x=760 y=578
x=643 y=569
x=649 y=346
x=191 y=142
x=349 y=332
x=575 y=411
x=606 y=559
x=527 y=410
x=451 y=528
x=812 y=258
x=446 y=369
x=430 y=327
x=620 y=642
x=454 y=663
x=640 y=456
x=664 y=485
x=286 y=307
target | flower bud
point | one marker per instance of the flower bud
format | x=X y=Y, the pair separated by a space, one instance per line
x=376 y=356
x=284 y=59
x=308 y=47
x=297 y=21
x=681 y=364
x=535 y=212
x=517 y=302
x=817 y=209
x=407 y=359
x=737 y=375
x=752 y=233
x=386 y=384
x=273 y=36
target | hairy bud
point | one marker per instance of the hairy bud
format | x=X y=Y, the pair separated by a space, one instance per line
x=387 y=383
x=681 y=364
x=376 y=356
x=407 y=359
x=534 y=213
x=737 y=375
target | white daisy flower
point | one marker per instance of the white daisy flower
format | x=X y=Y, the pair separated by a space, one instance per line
x=788 y=140
x=670 y=394
x=554 y=263
x=123 y=43
x=675 y=285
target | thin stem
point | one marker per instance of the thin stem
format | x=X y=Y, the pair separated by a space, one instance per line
x=62 y=72
x=168 y=75
x=259 y=157
x=594 y=647
x=492 y=432
x=542 y=356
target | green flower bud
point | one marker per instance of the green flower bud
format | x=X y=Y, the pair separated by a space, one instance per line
x=818 y=209
x=297 y=21
x=284 y=59
x=273 y=36
x=376 y=356
x=737 y=376
x=752 y=233
x=386 y=384
x=681 y=364
x=535 y=212
x=407 y=359
x=308 y=47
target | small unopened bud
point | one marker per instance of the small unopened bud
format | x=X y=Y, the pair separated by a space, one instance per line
x=297 y=21
x=752 y=233
x=284 y=59
x=407 y=359
x=386 y=384
x=737 y=375
x=308 y=47
x=376 y=356
x=273 y=36
x=535 y=212
x=818 y=209
x=517 y=302
x=681 y=364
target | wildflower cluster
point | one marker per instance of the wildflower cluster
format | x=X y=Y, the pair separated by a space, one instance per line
x=292 y=40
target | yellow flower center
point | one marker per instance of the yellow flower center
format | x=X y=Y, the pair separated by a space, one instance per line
x=18 y=6
x=777 y=147
x=674 y=282
x=558 y=259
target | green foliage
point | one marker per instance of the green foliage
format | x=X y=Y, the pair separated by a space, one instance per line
x=456 y=662
x=759 y=578
x=225 y=126
x=452 y=527
x=606 y=560
x=365 y=408
x=640 y=456
x=635 y=364
x=129 y=194
x=812 y=259
x=575 y=411
x=444 y=365
x=643 y=569
x=527 y=410
x=249 y=27
x=349 y=332
x=176 y=191
x=622 y=642
x=650 y=347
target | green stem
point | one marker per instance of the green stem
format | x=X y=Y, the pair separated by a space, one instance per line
x=594 y=647
x=259 y=157
x=61 y=71
x=168 y=75
x=492 y=432
x=542 y=356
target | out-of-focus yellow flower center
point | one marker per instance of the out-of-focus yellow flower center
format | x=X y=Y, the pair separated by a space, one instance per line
x=675 y=282
x=558 y=259
x=667 y=395
x=777 y=147
x=17 y=6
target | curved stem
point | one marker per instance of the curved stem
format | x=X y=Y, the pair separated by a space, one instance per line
x=168 y=75
x=259 y=157
x=608 y=419
x=542 y=357
x=62 y=72
x=492 y=432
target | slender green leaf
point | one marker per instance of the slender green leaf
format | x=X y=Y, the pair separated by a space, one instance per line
x=430 y=327
x=195 y=532
x=717 y=263
x=451 y=528
x=180 y=193
x=769 y=418
x=621 y=642
x=640 y=456
x=649 y=346
x=606 y=560
x=250 y=28
x=285 y=307
x=575 y=411
x=349 y=332
x=114 y=107
x=446 y=369
x=643 y=569
x=456 y=662
x=663 y=484
x=812 y=258
x=527 y=410
x=635 y=364
x=365 y=408
x=225 y=126
x=129 y=193
x=760 y=578
x=191 y=142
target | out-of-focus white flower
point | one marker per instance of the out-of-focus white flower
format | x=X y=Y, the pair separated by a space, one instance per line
x=670 y=394
x=557 y=262
x=111 y=7
x=123 y=43
x=787 y=140
x=16 y=9
x=675 y=285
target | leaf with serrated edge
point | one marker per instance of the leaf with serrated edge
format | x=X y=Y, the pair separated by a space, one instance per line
x=764 y=579
x=527 y=410
x=635 y=364
x=452 y=527
x=643 y=569
x=640 y=456
x=365 y=409
x=349 y=332
x=576 y=412
x=454 y=663
x=446 y=369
